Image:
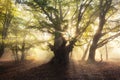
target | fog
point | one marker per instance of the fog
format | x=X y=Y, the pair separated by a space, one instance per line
x=43 y=56
x=112 y=49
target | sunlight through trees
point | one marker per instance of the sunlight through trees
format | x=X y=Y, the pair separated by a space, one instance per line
x=59 y=25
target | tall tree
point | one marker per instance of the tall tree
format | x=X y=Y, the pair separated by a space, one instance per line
x=105 y=6
x=5 y=22
x=59 y=17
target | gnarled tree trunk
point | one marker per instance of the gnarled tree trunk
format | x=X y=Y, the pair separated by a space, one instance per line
x=61 y=51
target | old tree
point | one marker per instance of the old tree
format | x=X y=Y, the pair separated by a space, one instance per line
x=61 y=16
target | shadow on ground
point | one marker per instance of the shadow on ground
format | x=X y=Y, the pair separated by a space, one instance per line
x=72 y=71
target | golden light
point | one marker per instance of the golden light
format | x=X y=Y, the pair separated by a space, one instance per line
x=38 y=54
x=76 y=54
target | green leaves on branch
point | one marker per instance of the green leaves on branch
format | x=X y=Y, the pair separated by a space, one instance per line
x=42 y=3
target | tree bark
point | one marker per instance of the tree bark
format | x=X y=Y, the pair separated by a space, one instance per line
x=97 y=36
x=106 y=50
x=2 y=46
x=23 y=51
x=61 y=51
x=6 y=24
x=60 y=55
x=103 y=11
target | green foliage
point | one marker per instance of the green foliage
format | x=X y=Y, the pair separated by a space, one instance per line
x=42 y=2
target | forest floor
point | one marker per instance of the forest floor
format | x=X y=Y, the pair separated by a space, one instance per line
x=31 y=70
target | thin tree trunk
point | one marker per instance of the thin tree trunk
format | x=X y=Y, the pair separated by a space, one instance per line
x=106 y=50
x=23 y=51
x=86 y=50
x=16 y=53
x=2 y=46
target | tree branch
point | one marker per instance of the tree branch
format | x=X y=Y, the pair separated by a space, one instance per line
x=65 y=14
x=100 y=44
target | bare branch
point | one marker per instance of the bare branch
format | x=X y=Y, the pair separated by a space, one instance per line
x=82 y=10
x=50 y=18
x=100 y=44
x=65 y=14
x=111 y=15
x=110 y=30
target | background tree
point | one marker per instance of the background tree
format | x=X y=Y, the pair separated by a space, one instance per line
x=6 y=17
x=106 y=10
x=19 y=37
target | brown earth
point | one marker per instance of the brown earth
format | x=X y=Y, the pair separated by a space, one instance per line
x=31 y=70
